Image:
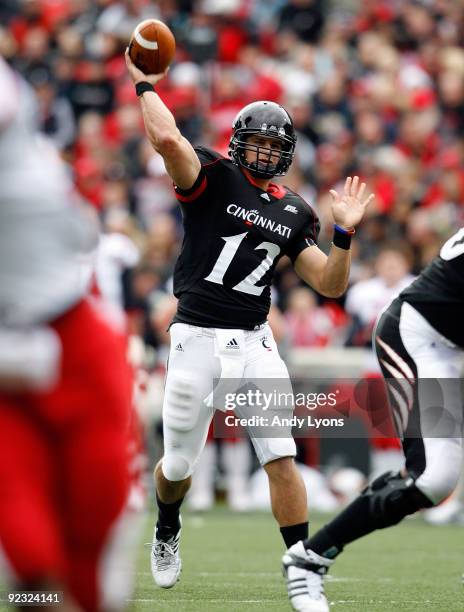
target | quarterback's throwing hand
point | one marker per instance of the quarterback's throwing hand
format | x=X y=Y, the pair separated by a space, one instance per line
x=348 y=209
x=138 y=76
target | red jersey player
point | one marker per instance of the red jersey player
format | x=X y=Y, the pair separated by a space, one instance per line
x=65 y=386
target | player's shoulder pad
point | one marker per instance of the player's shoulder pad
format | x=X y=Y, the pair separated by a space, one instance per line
x=209 y=156
x=294 y=199
x=209 y=160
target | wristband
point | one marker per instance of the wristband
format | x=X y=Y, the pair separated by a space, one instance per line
x=142 y=87
x=343 y=230
x=342 y=237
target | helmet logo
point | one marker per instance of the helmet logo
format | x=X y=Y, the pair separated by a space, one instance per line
x=272 y=128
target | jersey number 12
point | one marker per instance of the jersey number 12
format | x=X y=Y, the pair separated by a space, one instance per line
x=248 y=284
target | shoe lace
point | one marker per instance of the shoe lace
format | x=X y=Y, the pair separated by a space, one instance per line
x=164 y=553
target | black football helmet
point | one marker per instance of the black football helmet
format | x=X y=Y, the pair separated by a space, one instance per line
x=263 y=119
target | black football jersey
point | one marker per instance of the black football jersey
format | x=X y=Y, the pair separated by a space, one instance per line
x=438 y=293
x=234 y=235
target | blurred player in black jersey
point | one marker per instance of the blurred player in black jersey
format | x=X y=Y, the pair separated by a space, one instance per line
x=238 y=224
x=419 y=342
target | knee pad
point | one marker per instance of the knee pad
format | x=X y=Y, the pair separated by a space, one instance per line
x=438 y=486
x=270 y=449
x=392 y=497
x=181 y=402
x=442 y=472
x=175 y=468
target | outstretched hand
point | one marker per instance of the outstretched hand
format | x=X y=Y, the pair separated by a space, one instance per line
x=137 y=75
x=348 y=209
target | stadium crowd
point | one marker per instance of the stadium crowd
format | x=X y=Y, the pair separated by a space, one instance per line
x=375 y=88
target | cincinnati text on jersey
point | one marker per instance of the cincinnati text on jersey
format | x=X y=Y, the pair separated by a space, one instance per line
x=252 y=217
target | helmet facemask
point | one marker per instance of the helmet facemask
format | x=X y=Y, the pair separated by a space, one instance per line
x=269 y=162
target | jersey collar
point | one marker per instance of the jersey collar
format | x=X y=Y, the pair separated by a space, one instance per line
x=273 y=189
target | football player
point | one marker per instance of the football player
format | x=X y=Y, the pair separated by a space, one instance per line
x=65 y=386
x=238 y=224
x=419 y=340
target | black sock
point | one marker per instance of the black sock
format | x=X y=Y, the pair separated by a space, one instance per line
x=351 y=524
x=168 y=516
x=294 y=533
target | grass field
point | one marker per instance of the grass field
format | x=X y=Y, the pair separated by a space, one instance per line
x=232 y=563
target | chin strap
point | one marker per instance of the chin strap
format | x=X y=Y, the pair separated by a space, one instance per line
x=255 y=171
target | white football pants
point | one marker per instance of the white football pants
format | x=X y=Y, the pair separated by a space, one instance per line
x=198 y=356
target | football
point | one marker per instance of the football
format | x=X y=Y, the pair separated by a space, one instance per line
x=152 y=46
